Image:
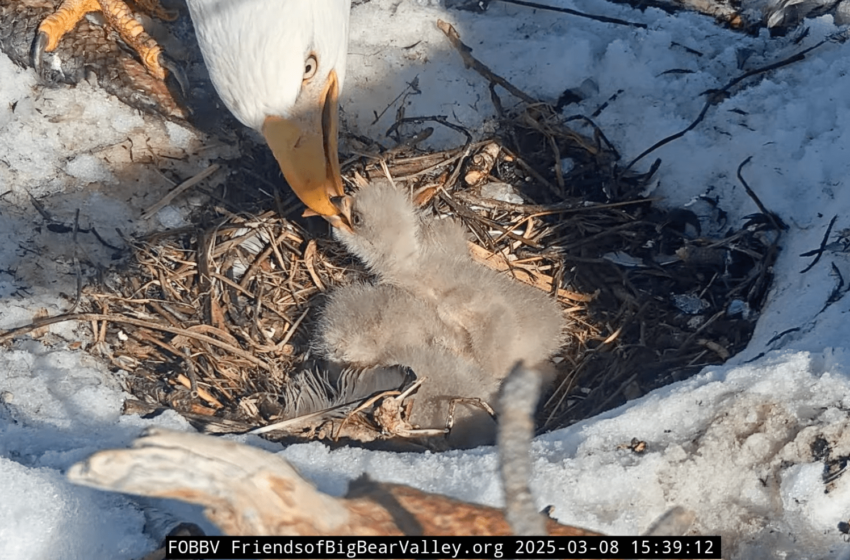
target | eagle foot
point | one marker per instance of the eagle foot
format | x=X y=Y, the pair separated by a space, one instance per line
x=119 y=17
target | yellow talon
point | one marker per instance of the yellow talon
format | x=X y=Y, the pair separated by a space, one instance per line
x=65 y=19
x=119 y=16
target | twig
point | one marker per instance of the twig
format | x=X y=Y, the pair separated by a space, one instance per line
x=77 y=270
x=536 y=210
x=711 y=100
x=103 y=241
x=261 y=258
x=211 y=310
x=432 y=168
x=450 y=182
x=365 y=404
x=775 y=221
x=198 y=391
x=190 y=373
x=776 y=337
x=596 y=131
x=39 y=207
x=471 y=62
x=179 y=189
x=292 y=329
x=533 y=172
x=436 y=118
x=469 y=215
x=411 y=142
x=309 y=257
x=819 y=251
x=10 y=334
x=701 y=328
x=716 y=96
x=412 y=85
x=603 y=19
x=837 y=292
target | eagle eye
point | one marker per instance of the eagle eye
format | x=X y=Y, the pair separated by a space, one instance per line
x=311 y=66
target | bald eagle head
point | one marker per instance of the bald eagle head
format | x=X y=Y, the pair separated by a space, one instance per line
x=279 y=65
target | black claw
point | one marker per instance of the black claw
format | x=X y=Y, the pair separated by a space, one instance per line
x=37 y=51
x=176 y=71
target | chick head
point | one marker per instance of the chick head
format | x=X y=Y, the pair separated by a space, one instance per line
x=384 y=229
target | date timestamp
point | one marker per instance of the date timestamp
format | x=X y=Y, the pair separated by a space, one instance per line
x=618 y=547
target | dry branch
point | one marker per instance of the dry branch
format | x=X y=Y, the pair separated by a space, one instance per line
x=716 y=96
x=180 y=189
x=603 y=19
x=248 y=491
x=471 y=62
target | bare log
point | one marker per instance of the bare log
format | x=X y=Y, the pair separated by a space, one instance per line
x=248 y=491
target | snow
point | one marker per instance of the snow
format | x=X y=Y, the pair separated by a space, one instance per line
x=734 y=443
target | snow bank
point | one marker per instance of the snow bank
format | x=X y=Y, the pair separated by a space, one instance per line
x=743 y=445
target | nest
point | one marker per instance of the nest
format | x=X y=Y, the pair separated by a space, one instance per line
x=214 y=321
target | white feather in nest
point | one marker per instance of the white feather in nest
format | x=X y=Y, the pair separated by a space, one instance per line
x=320 y=394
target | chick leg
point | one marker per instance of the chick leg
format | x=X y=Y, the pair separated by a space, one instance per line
x=119 y=16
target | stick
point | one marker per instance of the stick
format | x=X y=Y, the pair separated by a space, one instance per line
x=777 y=224
x=470 y=62
x=8 y=335
x=603 y=19
x=819 y=251
x=179 y=189
x=715 y=97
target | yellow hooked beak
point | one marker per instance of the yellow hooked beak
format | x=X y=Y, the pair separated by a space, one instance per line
x=305 y=146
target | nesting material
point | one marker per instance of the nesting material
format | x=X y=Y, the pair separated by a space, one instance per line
x=215 y=320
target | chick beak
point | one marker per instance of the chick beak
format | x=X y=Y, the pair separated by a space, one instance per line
x=305 y=146
x=343 y=206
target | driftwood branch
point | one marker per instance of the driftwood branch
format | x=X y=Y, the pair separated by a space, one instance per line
x=248 y=491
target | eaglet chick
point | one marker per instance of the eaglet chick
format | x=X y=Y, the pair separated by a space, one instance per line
x=458 y=323
x=500 y=321
x=379 y=326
